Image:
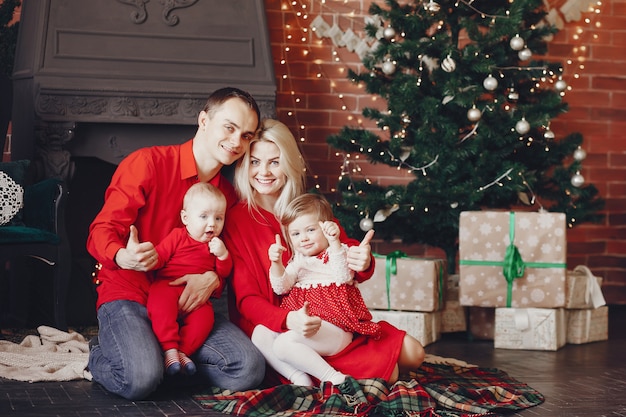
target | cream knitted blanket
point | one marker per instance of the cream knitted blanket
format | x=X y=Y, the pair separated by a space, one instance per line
x=54 y=355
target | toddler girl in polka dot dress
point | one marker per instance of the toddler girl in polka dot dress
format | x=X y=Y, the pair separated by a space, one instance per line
x=317 y=278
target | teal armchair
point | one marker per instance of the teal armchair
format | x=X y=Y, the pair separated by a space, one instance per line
x=40 y=233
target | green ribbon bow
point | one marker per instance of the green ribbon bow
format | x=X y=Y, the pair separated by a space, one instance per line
x=513 y=266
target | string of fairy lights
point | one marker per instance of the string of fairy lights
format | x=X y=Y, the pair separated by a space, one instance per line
x=299 y=28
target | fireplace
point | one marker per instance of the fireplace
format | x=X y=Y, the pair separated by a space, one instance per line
x=104 y=77
x=95 y=80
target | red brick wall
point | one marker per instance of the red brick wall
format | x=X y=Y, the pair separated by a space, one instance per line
x=312 y=78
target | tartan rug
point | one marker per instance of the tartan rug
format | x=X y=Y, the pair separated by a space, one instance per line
x=434 y=390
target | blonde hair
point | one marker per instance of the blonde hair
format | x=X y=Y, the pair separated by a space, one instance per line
x=291 y=162
x=202 y=189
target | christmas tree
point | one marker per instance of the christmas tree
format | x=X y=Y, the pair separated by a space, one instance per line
x=469 y=108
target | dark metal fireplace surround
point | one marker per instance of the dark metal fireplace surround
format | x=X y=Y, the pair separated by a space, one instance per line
x=97 y=79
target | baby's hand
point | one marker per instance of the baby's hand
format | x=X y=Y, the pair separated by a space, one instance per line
x=330 y=230
x=275 y=252
x=217 y=248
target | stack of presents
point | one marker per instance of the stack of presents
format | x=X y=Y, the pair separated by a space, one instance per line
x=513 y=286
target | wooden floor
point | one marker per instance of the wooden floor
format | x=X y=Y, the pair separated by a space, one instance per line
x=578 y=380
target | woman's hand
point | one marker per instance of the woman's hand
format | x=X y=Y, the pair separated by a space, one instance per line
x=360 y=257
x=198 y=289
x=302 y=322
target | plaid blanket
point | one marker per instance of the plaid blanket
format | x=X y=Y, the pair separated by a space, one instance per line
x=435 y=390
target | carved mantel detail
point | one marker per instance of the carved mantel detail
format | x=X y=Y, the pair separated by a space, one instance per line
x=140 y=15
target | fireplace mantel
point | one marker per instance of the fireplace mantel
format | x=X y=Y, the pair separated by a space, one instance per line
x=118 y=63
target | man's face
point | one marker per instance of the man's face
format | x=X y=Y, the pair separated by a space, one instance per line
x=229 y=131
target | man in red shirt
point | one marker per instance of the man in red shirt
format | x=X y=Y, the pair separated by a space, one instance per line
x=142 y=205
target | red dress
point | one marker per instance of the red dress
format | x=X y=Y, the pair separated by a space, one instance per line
x=252 y=301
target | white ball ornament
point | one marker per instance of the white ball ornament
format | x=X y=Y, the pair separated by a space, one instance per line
x=560 y=85
x=580 y=154
x=389 y=67
x=548 y=134
x=432 y=6
x=490 y=83
x=389 y=33
x=525 y=54
x=516 y=43
x=366 y=224
x=522 y=127
x=577 y=180
x=474 y=115
x=448 y=64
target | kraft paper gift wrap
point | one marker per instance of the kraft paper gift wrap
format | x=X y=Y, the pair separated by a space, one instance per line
x=512 y=259
x=587 y=325
x=425 y=327
x=453 y=317
x=404 y=283
x=583 y=289
x=530 y=328
x=482 y=322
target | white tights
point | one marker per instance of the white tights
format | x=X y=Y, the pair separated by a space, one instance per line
x=296 y=357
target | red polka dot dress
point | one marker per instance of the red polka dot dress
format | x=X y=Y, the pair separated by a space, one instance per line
x=326 y=282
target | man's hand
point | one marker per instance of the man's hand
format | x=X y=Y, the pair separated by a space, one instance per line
x=198 y=289
x=136 y=255
x=360 y=257
x=302 y=322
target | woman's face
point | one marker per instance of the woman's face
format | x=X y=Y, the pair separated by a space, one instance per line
x=266 y=175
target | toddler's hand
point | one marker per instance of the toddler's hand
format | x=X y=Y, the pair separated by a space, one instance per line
x=330 y=230
x=217 y=248
x=275 y=252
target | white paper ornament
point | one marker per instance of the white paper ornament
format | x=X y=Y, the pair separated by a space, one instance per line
x=577 y=180
x=525 y=54
x=389 y=67
x=548 y=134
x=580 y=154
x=522 y=127
x=366 y=224
x=448 y=64
x=513 y=95
x=474 y=115
x=516 y=43
x=432 y=6
x=490 y=83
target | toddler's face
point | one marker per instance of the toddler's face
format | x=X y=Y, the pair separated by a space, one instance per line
x=204 y=218
x=306 y=235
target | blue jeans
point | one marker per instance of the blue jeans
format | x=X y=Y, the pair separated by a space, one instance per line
x=128 y=360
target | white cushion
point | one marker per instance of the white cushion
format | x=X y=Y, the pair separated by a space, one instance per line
x=11 y=198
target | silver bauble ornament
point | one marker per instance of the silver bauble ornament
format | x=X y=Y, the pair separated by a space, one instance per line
x=474 y=115
x=389 y=33
x=580 y=154
x=577 y=180
x=490 y=83
x=522 y=127
x=389 y=67
x=525 y=54
x=448 y=64
x=548 y=134
x=432 y=6
x=517 y=43
x=366 y=224
x=560 y=85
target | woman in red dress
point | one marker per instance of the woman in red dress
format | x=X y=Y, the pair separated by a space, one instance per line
x=267 y=179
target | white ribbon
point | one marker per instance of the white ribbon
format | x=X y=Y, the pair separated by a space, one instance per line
x=594 y=292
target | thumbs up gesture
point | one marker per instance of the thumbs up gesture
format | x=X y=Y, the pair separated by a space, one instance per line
x=360 y=257
x=138 y=256
x=275 y=252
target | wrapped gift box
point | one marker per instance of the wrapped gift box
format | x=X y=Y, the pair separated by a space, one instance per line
x=453 y=315
x=528 y=247
x=406 y=284
x=425 y=327
x=530 y=328
x=482 y=322
x=587 y=325
x=583 y=289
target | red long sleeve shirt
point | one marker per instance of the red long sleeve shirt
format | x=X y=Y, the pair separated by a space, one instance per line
x=147 y=191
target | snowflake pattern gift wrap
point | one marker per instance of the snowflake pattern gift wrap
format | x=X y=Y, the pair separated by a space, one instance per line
x=512 y=259
x=530 y=328
x=403 y=283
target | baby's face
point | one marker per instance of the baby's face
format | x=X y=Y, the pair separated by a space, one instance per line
x=204 y=218
x=306 y=235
